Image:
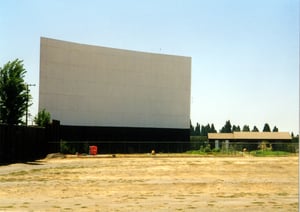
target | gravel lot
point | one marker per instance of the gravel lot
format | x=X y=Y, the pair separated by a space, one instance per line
x=151 y=183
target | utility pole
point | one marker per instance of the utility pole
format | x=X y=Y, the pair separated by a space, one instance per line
x=27 y=93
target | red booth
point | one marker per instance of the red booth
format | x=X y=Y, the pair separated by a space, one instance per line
x=93 y=150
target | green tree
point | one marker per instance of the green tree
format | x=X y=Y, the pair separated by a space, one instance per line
x=227 y=127
x=266 y=128
x=43 y=118
x=212 y=129
x=207 y=129
x=197 y=129
x=14 y=94
x=255 y=129
x=295 y=139
x=246 y=128
x=203 y=131
x=275 y=129
x=236 y=128
x=192 y=129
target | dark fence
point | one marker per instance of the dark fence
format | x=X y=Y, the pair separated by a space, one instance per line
x=113 y=140
x=21 y=143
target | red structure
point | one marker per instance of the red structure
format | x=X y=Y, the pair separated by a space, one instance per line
x=93 y=150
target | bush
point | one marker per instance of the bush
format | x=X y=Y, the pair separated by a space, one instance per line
x=199 y=152
x=207 y=149
x=42 y=119
x=216 y=150
x=269 y=153
x=66 y=148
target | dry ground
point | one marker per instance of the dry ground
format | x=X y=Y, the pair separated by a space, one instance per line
x=151 y=183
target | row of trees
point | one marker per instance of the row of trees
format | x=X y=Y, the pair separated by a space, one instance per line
x=227 y=128
x=201 y=130
x=15 y=96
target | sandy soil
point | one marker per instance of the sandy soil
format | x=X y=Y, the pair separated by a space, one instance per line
x=151 y=183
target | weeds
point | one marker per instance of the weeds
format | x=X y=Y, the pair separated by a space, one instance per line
x=262 y=153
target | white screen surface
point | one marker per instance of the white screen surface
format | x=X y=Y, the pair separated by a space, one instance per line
x=97 y=86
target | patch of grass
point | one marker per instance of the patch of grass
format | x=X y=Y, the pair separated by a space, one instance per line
x=19 y=173
x=10 y=179
x=6 y=206
x=55 y=206
x=142 y=197
x=181 y=197
x=262 y=195
x=191 y=207
x=217 y=153
x=258 y=203
x=24 y=206
x=229 y=196
x=198 y=152
x=295 y=204
x=272 y=202
x=282 y=194
x=228 y=162
x=235 y=195
x=264 y=153
x=36 y=170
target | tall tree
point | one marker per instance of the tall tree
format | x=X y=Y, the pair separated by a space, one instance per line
x=197 y=129
x=203 y=131
x=212 y=129
x=227 y=127
x=192 y=128
x=246 y=128
x=275 y=129
x=236 y=128
x=266 y=128
x=14 y=94
x=207 y=129
x=255 y=129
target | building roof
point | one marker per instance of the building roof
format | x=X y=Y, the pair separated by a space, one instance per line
x=250 y=136
x=220 y=136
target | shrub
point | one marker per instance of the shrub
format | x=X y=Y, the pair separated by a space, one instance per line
x=42 y=119
x=66 y=148
x=207 y=148
x=269 y=153
x=216 y=150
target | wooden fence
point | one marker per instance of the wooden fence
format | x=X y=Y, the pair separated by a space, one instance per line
x=21 y=143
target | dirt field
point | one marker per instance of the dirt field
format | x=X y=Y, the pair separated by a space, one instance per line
x=151 y=183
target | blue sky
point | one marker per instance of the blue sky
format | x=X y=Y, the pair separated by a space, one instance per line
x=245 y=54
